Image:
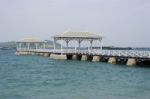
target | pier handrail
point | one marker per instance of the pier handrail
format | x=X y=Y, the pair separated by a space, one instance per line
x=125 y=53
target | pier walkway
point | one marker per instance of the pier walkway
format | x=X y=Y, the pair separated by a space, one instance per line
x=121 y=53
x=128 y=57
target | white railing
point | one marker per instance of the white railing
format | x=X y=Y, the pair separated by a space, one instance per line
x=125 y=53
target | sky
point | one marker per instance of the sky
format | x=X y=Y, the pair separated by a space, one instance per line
x=123 y=23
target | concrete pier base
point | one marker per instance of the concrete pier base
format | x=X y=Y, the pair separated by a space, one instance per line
x=96 y=58
x=131 y=62
x=41 y=54
x=29 y=53
x=37 y=53
x=84 y=57
x=21 y=53
x=33 y=53
x=74 y=57
x=112 y=60
x=46 y=54
x=59 y=57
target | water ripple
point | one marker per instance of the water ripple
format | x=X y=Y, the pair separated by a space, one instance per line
x=34 y=77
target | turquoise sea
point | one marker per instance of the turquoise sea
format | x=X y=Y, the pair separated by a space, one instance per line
x=37 y=77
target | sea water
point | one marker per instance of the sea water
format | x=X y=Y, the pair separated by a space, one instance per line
x=37 y=77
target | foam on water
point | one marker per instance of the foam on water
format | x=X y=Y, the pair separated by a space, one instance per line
x=35 y=77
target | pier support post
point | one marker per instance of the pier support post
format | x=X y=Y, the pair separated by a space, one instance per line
x=37 y=53
x=131 y=62
x=33 y=53
x=46 y=54
x=59 y=57
x=29 y=53
x=84 y=57
x=74 y=57
x=25 y=53
x=41 y=54
x=21 y=53
x=96 y=59
x=112 y=60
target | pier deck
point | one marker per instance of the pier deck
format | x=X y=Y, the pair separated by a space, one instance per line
x=118 y=53
x=128 y=57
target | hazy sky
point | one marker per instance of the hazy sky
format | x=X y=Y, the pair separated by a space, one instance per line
x=122 y=22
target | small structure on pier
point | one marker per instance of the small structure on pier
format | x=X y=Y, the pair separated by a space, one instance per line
x=78 y=37
x=30 y=43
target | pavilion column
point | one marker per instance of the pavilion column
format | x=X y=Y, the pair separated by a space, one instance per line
x=79 y=41
x=36 y=46
x=67 y=42
x=101 y=45
x=28 y=45
x=91 y=42
x=88 y=48
x=44 y=45
x=75 y=47
x=54 y=45
x=61 y=46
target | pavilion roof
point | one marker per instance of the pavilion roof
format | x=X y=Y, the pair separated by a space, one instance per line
x=83 y=35
x=31 y=40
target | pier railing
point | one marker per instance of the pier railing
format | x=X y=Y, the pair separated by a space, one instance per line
x=124 y=53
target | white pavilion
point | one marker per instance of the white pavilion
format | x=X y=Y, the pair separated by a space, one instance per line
x=78 y=37
x=30 y=43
